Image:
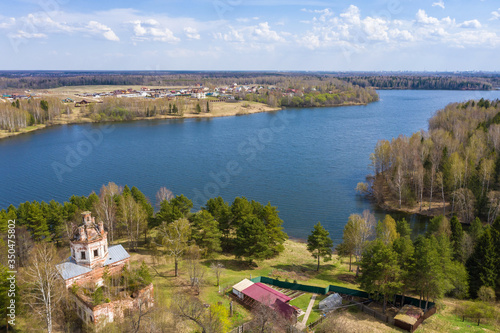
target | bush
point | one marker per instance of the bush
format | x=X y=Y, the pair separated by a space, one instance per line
x=486 y=294
x=98 y=296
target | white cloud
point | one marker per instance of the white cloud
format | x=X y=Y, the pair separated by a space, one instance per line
x=495 y=14
x=28 y=35
x=375 y=28
x=5 y=24
x=261 y=33
x=352 y=15
x=350 y=30
x=423 y=18
x=150 y=30
x=99 y=28
x=191 y=33
x=474 y=24
x=402 y=35
x=440 y=3
x=264 y=33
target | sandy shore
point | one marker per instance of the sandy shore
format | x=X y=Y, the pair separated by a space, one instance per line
x=218 y=109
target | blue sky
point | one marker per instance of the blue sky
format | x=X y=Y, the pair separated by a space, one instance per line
x=313 y=35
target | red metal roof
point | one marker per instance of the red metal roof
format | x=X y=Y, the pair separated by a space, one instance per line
x=264 y=294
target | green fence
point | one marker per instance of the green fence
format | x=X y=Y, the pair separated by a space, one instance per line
x=332 y=288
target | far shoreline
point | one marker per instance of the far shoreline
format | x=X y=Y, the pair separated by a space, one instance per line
x=240 y=109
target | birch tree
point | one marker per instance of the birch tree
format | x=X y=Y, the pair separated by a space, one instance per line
x=175 y=238
x=106 y=208
x=44 y=284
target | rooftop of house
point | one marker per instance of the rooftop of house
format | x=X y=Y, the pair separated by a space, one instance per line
x=70 y=269
x=264 y=294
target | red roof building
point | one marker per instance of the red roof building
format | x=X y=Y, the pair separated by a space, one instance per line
x=264 y=294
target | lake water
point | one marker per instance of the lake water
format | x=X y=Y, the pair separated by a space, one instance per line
x=306 y=161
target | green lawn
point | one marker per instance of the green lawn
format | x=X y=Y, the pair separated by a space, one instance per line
x=302 y=302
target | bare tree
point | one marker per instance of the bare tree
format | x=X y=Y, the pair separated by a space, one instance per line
x=465 y=204
x=195 y=270
x=494 y=209
x=192 y=309
x=133 y=218
x=162 y=195
x=175 y=237
x=217 y=268
x=106 y=207
x=45 y=287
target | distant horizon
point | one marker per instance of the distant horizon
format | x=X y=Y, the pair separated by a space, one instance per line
x=254 y=71
x=252 y=35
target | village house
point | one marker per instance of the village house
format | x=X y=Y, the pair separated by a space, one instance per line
x=90 y=260
x=250 y=294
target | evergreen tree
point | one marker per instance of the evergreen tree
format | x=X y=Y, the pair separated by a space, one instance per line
x=403 y=246
x=273 y=223
x=381 y=272
x=37 y=223
x=403 y=228
x=55 y=220
x=252 y=240
x=182 y=204
x=320 y=244
x=126 y=191
x=427 y=271
x=482 y=265
x=221 y=211
x=457 y=236
x=205 y=232
x=476 y=229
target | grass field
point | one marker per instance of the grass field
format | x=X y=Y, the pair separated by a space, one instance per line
x=296 y=264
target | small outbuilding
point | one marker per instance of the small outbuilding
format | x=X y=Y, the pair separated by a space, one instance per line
x=330 y=303
x=240 y=286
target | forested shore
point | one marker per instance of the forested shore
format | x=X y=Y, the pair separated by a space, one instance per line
x=378 y=80
x=452 y=168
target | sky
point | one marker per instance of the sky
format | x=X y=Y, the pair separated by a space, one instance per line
x=274 y=35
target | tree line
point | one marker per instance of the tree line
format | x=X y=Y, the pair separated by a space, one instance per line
x=424 y=82
x=47 y=80
x=446 y=260
x=453 y=167
x=23 y=113
x=244 y=228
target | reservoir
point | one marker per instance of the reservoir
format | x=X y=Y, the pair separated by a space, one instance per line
x=305 y=161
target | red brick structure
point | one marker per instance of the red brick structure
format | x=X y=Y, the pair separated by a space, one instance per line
x=90 y=257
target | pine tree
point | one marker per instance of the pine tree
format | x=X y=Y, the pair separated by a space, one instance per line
x=205 y=232
x=482 y=265
x=37 y=223
x=320 y=244
x=252 y=240
x=273 y=223
x=457 y=236
x=381 y=271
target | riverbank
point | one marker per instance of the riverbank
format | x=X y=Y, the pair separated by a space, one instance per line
x=217 y=109
x=435 y=210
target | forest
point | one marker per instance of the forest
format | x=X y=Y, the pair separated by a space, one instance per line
x=445 y=261
x=453 y=168
x=246 y=229
x=424 y=82
x=54 y=79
